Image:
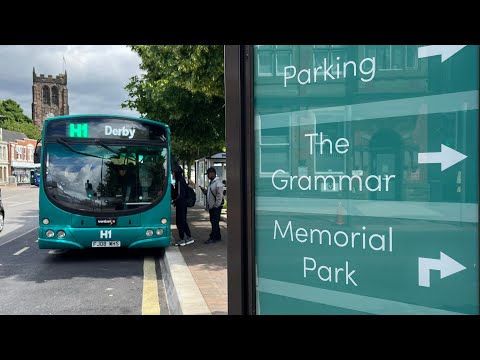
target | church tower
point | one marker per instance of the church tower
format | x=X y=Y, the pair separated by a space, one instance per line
x=50 y=97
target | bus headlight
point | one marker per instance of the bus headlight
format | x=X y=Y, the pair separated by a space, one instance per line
x=149 y=232
x=164 y=221
x=50 y=233
x=159 y=232
x=60 y=234
x=45 y=221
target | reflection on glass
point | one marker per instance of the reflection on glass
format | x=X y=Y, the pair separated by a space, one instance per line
x=115 y=179
x=337 y=162
x=265 y=64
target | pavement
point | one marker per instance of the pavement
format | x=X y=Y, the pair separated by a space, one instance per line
x=196 y=274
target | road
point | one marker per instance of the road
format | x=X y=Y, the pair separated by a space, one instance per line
x=71 y=282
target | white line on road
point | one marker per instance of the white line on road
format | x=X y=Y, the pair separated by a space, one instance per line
x=22 y=203
x=12 y=197
x=20 y=251
x=55 y=252
x=16 y=195
x=25 y=233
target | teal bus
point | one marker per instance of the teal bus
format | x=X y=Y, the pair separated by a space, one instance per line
x=104 y=182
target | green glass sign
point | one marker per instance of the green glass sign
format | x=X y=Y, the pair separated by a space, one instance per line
x=366 y=179
x=78 y=130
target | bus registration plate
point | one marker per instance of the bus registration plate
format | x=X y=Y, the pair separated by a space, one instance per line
x=105 y=243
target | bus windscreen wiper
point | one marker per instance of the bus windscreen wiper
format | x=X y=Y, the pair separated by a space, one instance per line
x=98 y=142
x=65 y=144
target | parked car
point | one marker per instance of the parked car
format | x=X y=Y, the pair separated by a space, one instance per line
x=2 y=212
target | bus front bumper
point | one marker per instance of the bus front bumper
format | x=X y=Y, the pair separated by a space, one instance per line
x=84 y=238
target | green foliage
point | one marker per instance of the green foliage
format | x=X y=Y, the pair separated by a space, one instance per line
x=197 y=68
x=183 y=87
x=13 y=111
x=12 y=118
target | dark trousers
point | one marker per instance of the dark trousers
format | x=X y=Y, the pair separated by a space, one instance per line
x=215 y=221
x=181 y=218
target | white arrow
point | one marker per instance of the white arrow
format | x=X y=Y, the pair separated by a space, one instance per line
x=445 y=264
x=447 y=157
x=445 y=50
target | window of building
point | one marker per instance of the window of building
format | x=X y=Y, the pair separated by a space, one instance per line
x=46 y=95
x=331 y=55
x=331 y=125
x=30 y=152
x=393 y=57
x=19 y=153
x=275 y=143
x=55 y=95
x=272 y=59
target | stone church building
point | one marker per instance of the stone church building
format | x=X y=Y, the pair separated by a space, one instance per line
x=50 y=97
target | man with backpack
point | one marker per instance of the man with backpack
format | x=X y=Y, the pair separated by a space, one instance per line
x=214 y=194
x=180 y=202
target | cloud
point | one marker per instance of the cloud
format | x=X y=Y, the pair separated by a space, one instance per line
x=97 y=75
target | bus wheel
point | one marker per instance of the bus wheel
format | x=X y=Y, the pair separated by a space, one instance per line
x=1 y=222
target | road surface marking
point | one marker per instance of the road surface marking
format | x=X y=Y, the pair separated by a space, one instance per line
x=54 y=252
x=22 y=203
x=25 y=233
x=20 y=251
x=150 y=301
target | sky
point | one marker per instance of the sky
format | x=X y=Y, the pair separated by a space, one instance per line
x=97 y=75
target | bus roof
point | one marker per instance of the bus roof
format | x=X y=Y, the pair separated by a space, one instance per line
x=105 y=116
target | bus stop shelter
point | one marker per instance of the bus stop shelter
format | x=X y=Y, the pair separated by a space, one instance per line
x=217 y=161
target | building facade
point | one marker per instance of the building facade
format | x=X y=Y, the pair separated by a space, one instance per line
x=4 y=165
x=314 y=102
x=20 y=150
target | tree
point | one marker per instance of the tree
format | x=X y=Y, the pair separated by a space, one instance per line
x=12 y=118
x=13 y=111
x=197 y=68
x=183 y=87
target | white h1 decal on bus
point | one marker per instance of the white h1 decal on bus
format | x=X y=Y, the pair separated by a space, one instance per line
x=107 y=234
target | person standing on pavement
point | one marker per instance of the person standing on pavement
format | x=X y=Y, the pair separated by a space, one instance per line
x=214 y=194
x=181 y=208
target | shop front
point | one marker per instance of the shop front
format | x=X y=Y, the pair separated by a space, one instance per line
x=21 y=171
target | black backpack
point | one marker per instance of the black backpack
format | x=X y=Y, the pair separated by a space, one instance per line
x=191 y=197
